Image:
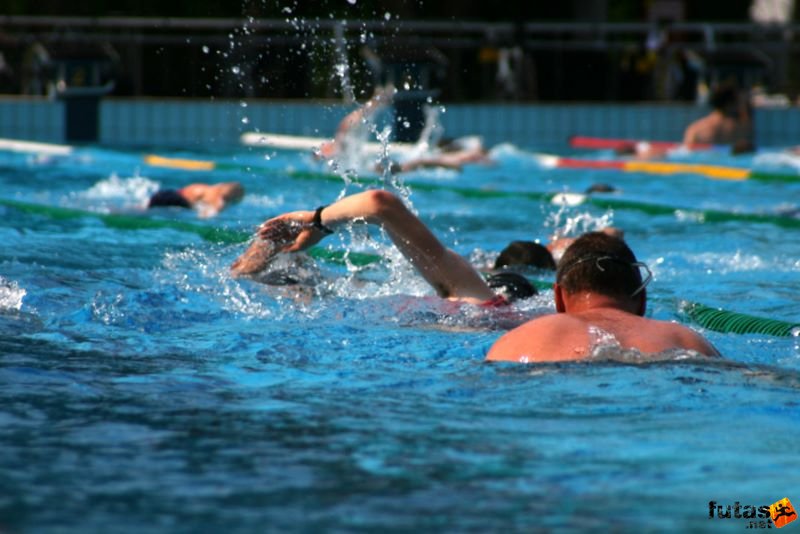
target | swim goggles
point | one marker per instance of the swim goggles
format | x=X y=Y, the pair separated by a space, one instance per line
x=597 y=259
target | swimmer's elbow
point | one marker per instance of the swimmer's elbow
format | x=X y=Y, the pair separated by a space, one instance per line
x=380 y=203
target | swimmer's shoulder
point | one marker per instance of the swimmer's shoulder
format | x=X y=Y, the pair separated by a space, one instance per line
x=686 y=338
x=556 y=336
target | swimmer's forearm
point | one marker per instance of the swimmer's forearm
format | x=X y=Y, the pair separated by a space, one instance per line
x=366 y=206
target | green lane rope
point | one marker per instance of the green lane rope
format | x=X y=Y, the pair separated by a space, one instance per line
x=207 y=233
x=739 y=323
x=774 y=177
x=131 y=222
x=706 y=215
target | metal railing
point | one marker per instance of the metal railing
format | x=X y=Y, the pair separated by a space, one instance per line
x=777 y=47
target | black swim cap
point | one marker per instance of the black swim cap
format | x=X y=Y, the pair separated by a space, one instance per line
x=168 y=197
x=512 y=286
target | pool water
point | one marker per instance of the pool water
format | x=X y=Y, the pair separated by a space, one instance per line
x=144 y=389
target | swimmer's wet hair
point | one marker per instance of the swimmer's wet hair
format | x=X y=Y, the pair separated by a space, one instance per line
x=600 y=263
x=526 y=253
x=512 y=286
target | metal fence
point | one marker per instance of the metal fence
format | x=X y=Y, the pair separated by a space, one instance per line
x=461 y=61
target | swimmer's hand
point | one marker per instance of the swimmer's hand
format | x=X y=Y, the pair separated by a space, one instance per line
x=290 y=232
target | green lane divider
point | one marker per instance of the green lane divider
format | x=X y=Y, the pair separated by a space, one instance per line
x=131 y=222
x=763 y=176
x=207 y=233
x=603 y=203
x=739 y=323
x=706 y=215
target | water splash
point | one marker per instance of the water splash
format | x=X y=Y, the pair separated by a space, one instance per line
x=128 y=192
x=566 y=225
x=11 y=295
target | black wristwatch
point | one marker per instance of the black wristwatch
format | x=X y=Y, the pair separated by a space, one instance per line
x=317 y=221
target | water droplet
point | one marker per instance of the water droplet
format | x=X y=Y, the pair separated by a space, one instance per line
x=287 y=10
x=243 y=104
x=235 y=69
x=387 y=16
x=406 y=86
x=245 y=120
x=407 y=124
x=351 y=2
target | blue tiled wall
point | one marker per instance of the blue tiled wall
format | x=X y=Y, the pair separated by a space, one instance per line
x=32 y=119
x=188 y=123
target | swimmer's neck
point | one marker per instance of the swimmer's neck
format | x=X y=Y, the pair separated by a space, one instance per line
x=584 y=302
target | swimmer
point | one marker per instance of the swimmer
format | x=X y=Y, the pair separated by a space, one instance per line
x=601 y=188
x=210 y=199
x=382 y=97
x=729 y=123
x=451 y=154
x=450 y=275
x=598 y=289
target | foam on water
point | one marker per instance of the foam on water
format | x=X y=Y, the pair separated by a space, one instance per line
x=11 y=295
x=130 y=192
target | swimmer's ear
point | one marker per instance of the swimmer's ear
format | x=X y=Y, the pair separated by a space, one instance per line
x=559 y=297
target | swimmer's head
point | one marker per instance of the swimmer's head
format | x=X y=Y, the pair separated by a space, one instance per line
x=166 y=198
x=600 y=263
x=724 y=97
x=600 y=188
x=525 y=253
x=512 y=286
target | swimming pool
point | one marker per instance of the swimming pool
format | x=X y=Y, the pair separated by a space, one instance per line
x=144 y=389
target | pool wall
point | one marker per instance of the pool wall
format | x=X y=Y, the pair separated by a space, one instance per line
x=193 y=122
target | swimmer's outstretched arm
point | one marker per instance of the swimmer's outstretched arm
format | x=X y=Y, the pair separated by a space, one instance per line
x=447 y=272
x=383 y=97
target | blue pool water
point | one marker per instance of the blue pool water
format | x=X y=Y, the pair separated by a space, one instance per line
x=144 y=390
